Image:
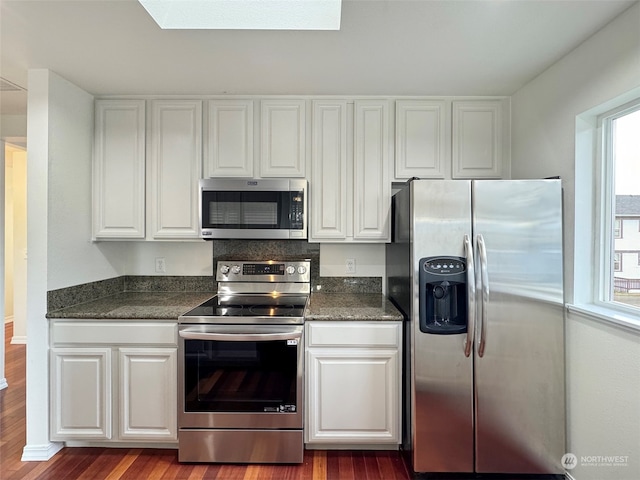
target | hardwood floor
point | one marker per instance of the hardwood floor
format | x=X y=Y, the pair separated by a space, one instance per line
x=143 y=464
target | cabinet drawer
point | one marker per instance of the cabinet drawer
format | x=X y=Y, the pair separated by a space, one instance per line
x=119 y=333
x=339 y=334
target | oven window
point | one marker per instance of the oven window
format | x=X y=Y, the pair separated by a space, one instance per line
x=240 y=376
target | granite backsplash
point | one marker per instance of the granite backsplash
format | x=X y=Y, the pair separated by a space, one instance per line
x=222 y=250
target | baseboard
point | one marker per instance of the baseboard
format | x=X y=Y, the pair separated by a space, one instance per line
x=40 y=453
x=3 y=383
x=19 y=340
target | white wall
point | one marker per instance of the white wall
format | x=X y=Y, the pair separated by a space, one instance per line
x=60 y=120
x=603 y=379
x=73 y=258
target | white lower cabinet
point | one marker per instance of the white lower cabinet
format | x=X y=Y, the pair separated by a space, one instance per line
x=81 y=393
x=353 y=379
x=148 y=394
x=109 y=384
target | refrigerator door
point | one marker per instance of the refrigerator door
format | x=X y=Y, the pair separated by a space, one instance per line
x=519 y=358
x=441 y=375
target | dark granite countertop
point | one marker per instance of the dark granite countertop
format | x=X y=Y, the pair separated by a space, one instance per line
x=351 y=306
x=170 y=305
x=135 y=305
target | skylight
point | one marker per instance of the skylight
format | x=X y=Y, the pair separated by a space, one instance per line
x=245 y=14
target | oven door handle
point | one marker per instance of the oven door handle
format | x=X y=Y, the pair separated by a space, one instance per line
x=240 y=337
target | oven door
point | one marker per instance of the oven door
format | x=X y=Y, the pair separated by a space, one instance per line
x=239 y=376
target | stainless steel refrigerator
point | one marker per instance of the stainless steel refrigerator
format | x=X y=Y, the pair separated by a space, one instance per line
x=476 y=267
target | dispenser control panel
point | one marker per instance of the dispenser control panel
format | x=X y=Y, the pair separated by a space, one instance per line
x=444 y=266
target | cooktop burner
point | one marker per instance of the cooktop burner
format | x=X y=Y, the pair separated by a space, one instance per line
x=268 y=292
x=250 y=306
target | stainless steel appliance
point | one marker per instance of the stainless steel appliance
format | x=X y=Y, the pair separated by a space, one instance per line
x=257 y=209
x=240 y=366
x=476 y=266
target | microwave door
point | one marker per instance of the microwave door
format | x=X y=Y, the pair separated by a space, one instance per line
x=252 y=214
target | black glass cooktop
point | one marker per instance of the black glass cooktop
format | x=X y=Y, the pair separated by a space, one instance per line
x=250 y=306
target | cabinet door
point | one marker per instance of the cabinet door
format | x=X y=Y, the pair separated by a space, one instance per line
x=421 y=139
x=229 y=141
x=175 y=159
x=477 y=136
x=372 y=193
x=148 y=394
x=329 y=202
x=283 y=138
x=119 y=169
x=81 y=393
x=353 y=396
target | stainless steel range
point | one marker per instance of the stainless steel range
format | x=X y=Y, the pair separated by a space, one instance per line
x=240 y=366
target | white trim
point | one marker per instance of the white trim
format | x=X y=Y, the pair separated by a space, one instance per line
x=8 y=319
x=19 y=340
x=40 y=453
x=3 y=383
x=608 y=316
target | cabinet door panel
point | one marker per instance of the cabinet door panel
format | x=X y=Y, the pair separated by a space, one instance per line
x=353 y=396
x=119 y=169
x=229 y=143
x=372 y=193
x=477 y=139
x=283 y=138
x=329 y=175
x=81 y=393
x=175 y=167
x=421 y=133
x=148 y=394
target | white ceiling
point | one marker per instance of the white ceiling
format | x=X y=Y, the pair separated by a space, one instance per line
x=396 y=47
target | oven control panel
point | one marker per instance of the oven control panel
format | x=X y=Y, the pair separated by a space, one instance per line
x=263 y=271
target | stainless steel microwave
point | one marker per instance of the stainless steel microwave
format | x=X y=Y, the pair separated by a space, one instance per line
x=253 y=208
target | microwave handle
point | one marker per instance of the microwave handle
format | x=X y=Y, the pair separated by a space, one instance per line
x=240 y=337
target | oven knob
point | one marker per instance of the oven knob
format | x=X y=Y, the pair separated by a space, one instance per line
x=302 y=270
x=224 y=269
x=235 y=269
x=291 y=269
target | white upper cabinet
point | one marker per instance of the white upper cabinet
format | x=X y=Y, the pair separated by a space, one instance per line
x=229 y=142
x=175 y=159
x=372 y=182
x=480 y=138
x=119 y=169
x=422 y=136
x=329 y=170
x=283 y=138
x=350 y=182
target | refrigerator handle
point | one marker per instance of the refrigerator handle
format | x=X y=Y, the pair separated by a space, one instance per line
x=484 y=298
x=471 y=296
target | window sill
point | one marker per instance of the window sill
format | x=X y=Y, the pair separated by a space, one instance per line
x=609 y=316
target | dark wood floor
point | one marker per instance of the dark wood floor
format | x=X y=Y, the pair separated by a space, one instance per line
x=143 y=464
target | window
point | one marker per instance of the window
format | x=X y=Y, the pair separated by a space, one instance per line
x=617 y=229
x=619 y=285
x=617 y=262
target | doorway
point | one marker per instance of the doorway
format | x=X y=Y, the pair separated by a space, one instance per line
x=15 y=250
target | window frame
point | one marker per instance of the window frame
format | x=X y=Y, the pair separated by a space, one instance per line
x=604 y=226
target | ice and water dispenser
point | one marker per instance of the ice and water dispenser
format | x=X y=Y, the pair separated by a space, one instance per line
x=443 y=295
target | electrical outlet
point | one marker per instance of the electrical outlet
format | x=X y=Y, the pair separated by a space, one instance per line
x=161 y=266
x=350 y=265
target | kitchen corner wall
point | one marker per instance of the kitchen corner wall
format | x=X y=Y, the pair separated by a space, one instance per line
x=603 y=378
